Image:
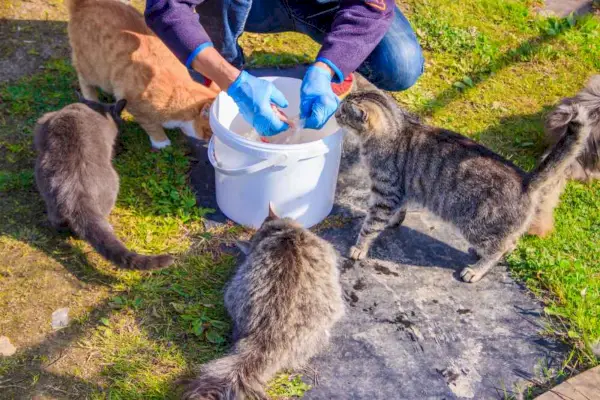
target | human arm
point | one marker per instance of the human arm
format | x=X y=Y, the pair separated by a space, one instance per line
x=358 y=27
x=176 y=24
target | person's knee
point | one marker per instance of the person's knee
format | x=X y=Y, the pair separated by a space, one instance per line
x=404 y=68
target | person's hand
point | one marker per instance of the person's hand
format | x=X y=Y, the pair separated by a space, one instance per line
x=317 y=100
x=254 y=97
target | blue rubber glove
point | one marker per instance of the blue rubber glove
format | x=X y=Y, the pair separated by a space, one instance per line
x=317 y=100
x=254 y=97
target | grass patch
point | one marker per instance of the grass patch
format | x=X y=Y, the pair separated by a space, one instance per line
x=142 y=330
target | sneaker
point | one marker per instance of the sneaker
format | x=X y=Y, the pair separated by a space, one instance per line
x=344 y=88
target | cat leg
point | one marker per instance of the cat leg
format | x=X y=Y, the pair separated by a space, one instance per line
x=480 y=268
x=157 y=134
x=398 y=218
x=88 y=91
x=56 y=221
x=489 y=255
x=473 y=253
x=377 y=220
x=543 y=218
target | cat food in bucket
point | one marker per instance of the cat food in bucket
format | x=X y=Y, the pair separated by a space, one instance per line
x=299 y=179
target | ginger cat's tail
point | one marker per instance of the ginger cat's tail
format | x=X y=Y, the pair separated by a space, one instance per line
x=90 y=225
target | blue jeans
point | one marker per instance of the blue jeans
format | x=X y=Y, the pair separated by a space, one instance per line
x=395 y=64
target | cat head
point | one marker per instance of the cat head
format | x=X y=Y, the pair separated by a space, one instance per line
x=112 y=111
x=201 y=124
x=272 y=224
x=367 y=113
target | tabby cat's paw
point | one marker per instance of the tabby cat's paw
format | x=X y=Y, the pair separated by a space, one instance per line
x=357 y=254
x=470 y=275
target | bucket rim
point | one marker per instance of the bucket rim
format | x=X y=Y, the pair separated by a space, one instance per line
x=302 y=150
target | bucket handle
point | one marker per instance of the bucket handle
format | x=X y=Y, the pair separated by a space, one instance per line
x=250 y=169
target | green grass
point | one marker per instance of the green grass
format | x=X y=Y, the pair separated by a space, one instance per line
x=493 y=70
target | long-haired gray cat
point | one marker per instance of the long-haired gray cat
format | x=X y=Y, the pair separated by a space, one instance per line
x=283 y=300
x=586 y=166
x=75 y=176
x=489 y=199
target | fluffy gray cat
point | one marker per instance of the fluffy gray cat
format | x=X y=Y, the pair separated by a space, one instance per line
x=75 y=176
x=489 y=199
x=587 y=165
x=283 y=301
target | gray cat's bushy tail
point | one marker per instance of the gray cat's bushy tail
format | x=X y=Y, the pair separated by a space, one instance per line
x=90 y=225
x=232 y=377
x=565 y=150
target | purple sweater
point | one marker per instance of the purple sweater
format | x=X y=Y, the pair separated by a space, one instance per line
x=358 y=26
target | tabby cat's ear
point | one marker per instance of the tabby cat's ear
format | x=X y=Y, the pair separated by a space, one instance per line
x=272 y=213
x=119 y=107
x=357 y=113
x=243 y=245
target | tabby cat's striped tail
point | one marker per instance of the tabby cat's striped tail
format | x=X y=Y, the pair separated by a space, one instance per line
x=564 y=151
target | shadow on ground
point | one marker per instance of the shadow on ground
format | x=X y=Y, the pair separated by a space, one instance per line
x=27 y=44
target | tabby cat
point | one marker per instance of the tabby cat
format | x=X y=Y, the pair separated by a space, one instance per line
x=113 y=49
x=283 y=300
x=489 y=199
x=77 y=181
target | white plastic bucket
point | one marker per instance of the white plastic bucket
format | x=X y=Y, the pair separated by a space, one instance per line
x=299 y=179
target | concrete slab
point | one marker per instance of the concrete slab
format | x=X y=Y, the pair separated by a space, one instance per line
x=413 y=330
x=562 y=8
x=585 y=386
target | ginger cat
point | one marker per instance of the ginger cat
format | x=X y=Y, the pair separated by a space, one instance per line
x=114 y=50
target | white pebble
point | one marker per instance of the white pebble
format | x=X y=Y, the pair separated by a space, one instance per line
x=60 y=318
x=6 y=347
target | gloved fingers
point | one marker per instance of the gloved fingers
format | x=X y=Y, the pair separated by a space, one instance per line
x=322 y=109
x=276 y=125
x=268 y=123
x=306 y=107
x=278 y=98
x=316 y=117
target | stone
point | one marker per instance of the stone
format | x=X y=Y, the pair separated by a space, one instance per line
x=562 y=8
x=584 y=386
x=413 y=329
x=6 y=347
x=60 y=318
